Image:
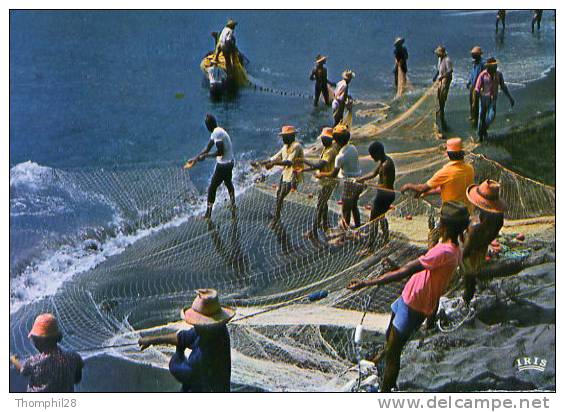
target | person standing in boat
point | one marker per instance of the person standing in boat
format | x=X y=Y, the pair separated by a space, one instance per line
x=226 y=45
x=320 y=75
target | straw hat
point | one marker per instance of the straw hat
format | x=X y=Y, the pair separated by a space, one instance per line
x=287 y=130
x=327 y=132
x=348 y=75
x=491 y=61
x=477 y=50
x=399 y=40
x=455 y=144
x=45 y=326
x=320 y=58
x=440 y=50
x=487 y=196
x=231 y=24
x=340 y=129
x=206 y=309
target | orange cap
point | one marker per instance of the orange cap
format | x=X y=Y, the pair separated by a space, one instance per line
x=45 y=326
x=287 y=130
x=454 y=144
x=327 y=132
x=340 y=129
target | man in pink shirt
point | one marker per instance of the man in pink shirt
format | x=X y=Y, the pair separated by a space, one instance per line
x=430 y=277
x=486 y=89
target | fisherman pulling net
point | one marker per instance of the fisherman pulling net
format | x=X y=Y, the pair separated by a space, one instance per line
x=307 y=344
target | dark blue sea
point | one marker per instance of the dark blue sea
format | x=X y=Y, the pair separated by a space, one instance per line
x=122 y=90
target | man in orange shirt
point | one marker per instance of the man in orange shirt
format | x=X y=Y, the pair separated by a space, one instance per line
x=450 y=182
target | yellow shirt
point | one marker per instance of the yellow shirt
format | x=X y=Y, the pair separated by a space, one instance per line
x=328 y=155
x=454 y=178
x=295 y=154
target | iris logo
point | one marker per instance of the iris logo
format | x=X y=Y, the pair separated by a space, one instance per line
x=528 y=363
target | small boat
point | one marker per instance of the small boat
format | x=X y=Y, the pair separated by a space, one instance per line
x=217 y=75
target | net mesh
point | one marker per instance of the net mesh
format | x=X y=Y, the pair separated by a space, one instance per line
x=304 y=346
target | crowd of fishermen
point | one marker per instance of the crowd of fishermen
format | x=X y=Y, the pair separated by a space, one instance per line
x=470 y=218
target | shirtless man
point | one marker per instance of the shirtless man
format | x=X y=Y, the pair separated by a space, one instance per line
x=384 y=197
x=484 y=228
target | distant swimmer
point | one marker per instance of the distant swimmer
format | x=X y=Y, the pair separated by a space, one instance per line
x=501 y=17
x=386 y=173
x=450 y=182
x=536 y=19
x=224 y=163
x=320 y=75
x=326 y=164
x=486 y=88
x=291 y=158
x=226 y=45
x=478 y=67
x=208 y=367
x=53 y=369
x=341 y=96
x=400 y=65
x=346 y=168
x=428 y=279
x=484 y=228
x=443 y=77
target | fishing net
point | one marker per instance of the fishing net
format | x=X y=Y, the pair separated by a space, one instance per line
x=300 y=347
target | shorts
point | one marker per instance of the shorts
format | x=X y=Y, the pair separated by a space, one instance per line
x=351 y=190
x=382 y=201
x=406 y=320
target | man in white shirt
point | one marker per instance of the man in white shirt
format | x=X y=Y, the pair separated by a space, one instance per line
x=346 y=168
x=443 y=77
x=341 y=93
x=224 y=163
x=226 y=44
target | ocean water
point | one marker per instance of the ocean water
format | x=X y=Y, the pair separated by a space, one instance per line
x=94 y=93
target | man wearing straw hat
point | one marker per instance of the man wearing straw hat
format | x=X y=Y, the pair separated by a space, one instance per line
x=326 y=164
x=486 y=88
x=478 y=67
x=443 y=78
x=53 y=369
x=291 y=159
x=226 y=45
x=346 y=167
x=400 y=66
x=320 y=75
x=484 y=228
x=450 y=182
x=341 y=96
x=208 y=367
